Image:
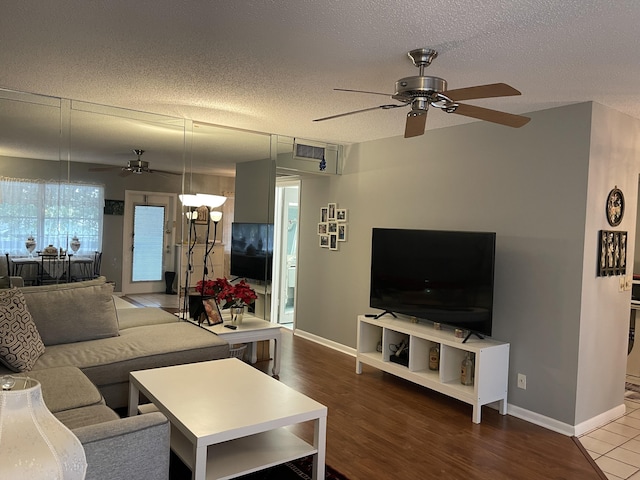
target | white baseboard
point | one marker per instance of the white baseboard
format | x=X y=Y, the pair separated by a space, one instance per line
x=565 y=428
x=600 y=420
x=323 y=341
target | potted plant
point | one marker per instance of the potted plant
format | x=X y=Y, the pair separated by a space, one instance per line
x=227 y=295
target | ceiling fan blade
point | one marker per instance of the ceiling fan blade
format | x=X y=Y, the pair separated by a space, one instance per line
x=102 y=169
x=503 y=118
x=482 y=91
x=383 y=107
x=416 y=122
x=363 y=91
x=125 y=173
x=164 y=172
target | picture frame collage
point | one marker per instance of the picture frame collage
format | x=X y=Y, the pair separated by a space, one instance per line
x=332 y=228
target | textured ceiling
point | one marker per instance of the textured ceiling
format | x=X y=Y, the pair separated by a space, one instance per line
x=270 y=65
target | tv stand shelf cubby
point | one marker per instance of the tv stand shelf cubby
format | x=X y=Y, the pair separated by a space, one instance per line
x=491 y=365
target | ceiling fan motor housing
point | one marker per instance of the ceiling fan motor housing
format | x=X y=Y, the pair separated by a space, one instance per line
x=137 y=166
x=410 y=87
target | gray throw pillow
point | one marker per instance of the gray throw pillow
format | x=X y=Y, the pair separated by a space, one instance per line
x=20 y=342
x=73 y=312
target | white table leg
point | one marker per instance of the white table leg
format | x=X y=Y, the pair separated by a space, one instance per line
x=477 y=413
x=276 y=356
x=200 y=463
x=320 y=442
x=253 y=351
x=134 y=398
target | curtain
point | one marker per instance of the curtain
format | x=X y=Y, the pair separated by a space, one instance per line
x=51 y=212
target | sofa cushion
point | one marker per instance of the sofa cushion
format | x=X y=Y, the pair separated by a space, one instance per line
x=20 y=342
x=107 y=362
x=138 y=317
x=84 y=416
x=66 y=388
x=5 y=282
x=73 y=312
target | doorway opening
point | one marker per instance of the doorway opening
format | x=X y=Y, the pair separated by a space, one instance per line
x=148 y=240
x=283 y=309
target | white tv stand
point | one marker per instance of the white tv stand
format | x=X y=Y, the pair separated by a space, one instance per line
x=491 y=360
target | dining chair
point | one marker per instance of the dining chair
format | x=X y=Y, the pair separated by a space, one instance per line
x=97 y=261
x=53 y=269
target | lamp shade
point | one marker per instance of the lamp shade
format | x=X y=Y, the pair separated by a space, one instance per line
x=211 y=201
x=215 y=216
x=33 y=443
x=190 y=200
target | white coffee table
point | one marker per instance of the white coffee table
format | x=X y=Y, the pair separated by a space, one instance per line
x=251 y=330
x=229 y=419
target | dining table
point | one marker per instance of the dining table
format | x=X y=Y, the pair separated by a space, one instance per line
x=81 y=267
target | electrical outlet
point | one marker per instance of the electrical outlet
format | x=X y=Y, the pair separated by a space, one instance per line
x=522 y=381
x=627 y=283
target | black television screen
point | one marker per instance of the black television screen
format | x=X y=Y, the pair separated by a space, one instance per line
x=441 y=276
x=251 y=250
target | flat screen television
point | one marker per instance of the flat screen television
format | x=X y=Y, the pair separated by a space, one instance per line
x=251 y=250
x=440 y=276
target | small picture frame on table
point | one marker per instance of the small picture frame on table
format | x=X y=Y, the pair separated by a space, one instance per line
x=211 y=311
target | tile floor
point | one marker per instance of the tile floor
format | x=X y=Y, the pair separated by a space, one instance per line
x=615 y=447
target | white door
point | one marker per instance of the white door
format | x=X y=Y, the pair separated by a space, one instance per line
x=148 y=237
x=285 y=251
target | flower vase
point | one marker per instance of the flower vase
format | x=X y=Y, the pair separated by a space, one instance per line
x=236 y=315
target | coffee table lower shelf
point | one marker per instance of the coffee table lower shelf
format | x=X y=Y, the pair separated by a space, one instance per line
x=244 y=455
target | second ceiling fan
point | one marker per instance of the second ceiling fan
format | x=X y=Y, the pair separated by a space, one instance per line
x=137 y=166
x=421 y=91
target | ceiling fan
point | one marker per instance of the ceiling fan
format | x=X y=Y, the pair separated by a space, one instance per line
x=421 y=91
x=137 y=166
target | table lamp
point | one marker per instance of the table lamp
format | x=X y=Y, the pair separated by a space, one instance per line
x=33 y=443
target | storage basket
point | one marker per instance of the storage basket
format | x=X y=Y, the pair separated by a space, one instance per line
x=237 y=350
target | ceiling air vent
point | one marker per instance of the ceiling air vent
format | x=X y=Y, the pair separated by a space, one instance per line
x=309 y=156
x=309 y=152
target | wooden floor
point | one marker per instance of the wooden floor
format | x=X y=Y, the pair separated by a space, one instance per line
x=382 y=427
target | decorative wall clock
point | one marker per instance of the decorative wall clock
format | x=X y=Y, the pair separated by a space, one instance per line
x=615 y=207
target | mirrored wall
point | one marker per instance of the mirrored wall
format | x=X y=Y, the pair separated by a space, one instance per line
x=45 y=140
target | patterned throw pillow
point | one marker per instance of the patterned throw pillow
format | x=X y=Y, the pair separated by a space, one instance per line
x=20 y=342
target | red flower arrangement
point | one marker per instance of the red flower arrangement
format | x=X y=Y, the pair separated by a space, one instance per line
x=222 y=290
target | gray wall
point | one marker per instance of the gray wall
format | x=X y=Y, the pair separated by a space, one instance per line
x=255 y=190
x=529 y=185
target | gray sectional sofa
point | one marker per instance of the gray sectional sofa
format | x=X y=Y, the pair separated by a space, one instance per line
x=81 y=348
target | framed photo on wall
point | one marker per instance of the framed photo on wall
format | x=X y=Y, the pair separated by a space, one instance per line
x=324 y=241
x=332 y=207
x=322 y=228
x=324 y=214
x=612 y=253
x=341 y=215
x=342 y=232
x=333 y=242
